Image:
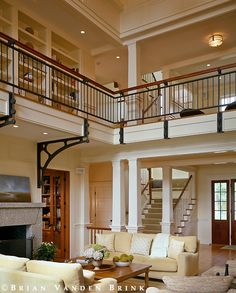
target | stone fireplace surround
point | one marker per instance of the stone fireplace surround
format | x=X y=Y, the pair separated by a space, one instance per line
x=23 y=213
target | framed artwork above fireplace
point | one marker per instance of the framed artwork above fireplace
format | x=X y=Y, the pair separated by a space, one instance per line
x=14 y=188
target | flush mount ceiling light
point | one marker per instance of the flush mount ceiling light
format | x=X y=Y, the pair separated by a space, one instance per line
x=215 y=40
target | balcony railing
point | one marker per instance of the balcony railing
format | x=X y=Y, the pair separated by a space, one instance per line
x=36 y=76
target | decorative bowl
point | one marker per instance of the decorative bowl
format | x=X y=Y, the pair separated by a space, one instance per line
x=82 y=261
x=122 y=263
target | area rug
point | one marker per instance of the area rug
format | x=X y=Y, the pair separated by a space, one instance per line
x=230 y=247
x=137 y=285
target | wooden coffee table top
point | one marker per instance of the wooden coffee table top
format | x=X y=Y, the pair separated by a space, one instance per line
x=122 y=273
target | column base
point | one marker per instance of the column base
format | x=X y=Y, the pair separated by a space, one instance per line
x=134 y=229
x=167 y=227
x=117 y=228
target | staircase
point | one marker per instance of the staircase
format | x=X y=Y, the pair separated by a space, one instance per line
x=152 y=216
x=183 y=221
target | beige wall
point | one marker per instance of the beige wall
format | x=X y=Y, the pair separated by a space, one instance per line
x=100 y=172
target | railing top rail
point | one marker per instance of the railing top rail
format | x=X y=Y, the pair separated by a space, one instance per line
x=54 y=62
x=98 y=228
x=182 y=192
x=176 y=78
x=99 y=86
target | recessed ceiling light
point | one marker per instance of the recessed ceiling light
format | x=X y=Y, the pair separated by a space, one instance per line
x=220 y=152
x=45 y=133
x=15 y=126
x=117 y=57
x=82 y=32
x=208 y=65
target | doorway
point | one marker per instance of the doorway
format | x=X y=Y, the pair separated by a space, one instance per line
x=101 y=204
x=224 y=212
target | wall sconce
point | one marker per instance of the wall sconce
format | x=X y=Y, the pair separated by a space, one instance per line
x=215 y=40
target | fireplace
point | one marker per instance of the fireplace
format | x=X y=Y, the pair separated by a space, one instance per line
x=20 y=227
x=14 y=240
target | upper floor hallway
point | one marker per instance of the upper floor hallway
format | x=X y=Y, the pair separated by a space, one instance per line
x=49 y=93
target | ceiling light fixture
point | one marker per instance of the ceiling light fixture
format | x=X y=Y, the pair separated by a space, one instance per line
x=82 y=32
x=208 y=65
x=117 y=57
x=15 y=126
x=215 y=40
x=45 y=133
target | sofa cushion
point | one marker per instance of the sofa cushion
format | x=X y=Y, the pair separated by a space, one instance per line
x=20 y=281
x=70 y=273
x=198 y=284
x=13 y=262
x=122 y=242
x=106 y=240
x=190 y=242
x=164 y=264
x=175 y=248
x=140 y=244
x=160 y=245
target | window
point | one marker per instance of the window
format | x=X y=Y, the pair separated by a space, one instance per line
x=220 y=190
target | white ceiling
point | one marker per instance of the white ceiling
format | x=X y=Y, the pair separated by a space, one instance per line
x=162 y=51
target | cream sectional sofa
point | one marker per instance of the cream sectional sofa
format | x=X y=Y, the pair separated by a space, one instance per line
x=179 y=256
x=23 y=275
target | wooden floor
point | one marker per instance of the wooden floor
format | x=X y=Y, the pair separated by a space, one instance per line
x=213 y=255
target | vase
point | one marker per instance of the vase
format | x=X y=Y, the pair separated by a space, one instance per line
x=97 y=264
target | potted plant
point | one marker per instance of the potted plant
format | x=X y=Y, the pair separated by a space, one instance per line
x=95 y=254
x=46 y=251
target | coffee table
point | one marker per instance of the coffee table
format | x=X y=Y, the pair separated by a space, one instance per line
x=120 y=273
x=123 y=273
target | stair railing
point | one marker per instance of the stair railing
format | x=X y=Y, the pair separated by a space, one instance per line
x=182 y=204
x=93 y=231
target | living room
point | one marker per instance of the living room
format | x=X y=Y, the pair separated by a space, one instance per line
x=202 y=146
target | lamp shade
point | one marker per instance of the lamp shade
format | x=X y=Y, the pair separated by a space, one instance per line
x=215 y=40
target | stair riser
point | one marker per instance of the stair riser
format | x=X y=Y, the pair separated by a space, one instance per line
x=150 y=221
x=153 y=216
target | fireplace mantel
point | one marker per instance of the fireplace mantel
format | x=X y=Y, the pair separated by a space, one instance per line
x=23 y=213
x=15 y=205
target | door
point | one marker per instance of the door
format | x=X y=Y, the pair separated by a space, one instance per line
x=233 y=212
x=101 y=204
x=220 y=212
x=55 y=193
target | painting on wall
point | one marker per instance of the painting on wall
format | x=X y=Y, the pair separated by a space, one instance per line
x=14 y=189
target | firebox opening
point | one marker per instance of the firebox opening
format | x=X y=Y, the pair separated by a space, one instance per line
x=14 y=241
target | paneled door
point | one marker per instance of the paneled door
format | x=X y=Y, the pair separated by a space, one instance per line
x=101 y=204
x=220 y=212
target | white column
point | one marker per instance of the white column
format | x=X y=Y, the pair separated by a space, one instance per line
x=133 y=65
x=134 y=79
x=167 y=202
x=80 y=208
x=118 y=196
x=135 y=220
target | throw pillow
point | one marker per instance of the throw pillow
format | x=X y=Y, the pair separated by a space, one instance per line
x=198 y=284
x=140 y=244
x=106 y=240
x=175 y=248
x=13 y=262
x=160 y=245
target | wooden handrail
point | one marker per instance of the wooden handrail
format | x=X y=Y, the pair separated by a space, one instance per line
x=146 y=185
x=98 y=228
x=54 y=62
x=176 y=78
x=122 y=91
x=182 y=192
